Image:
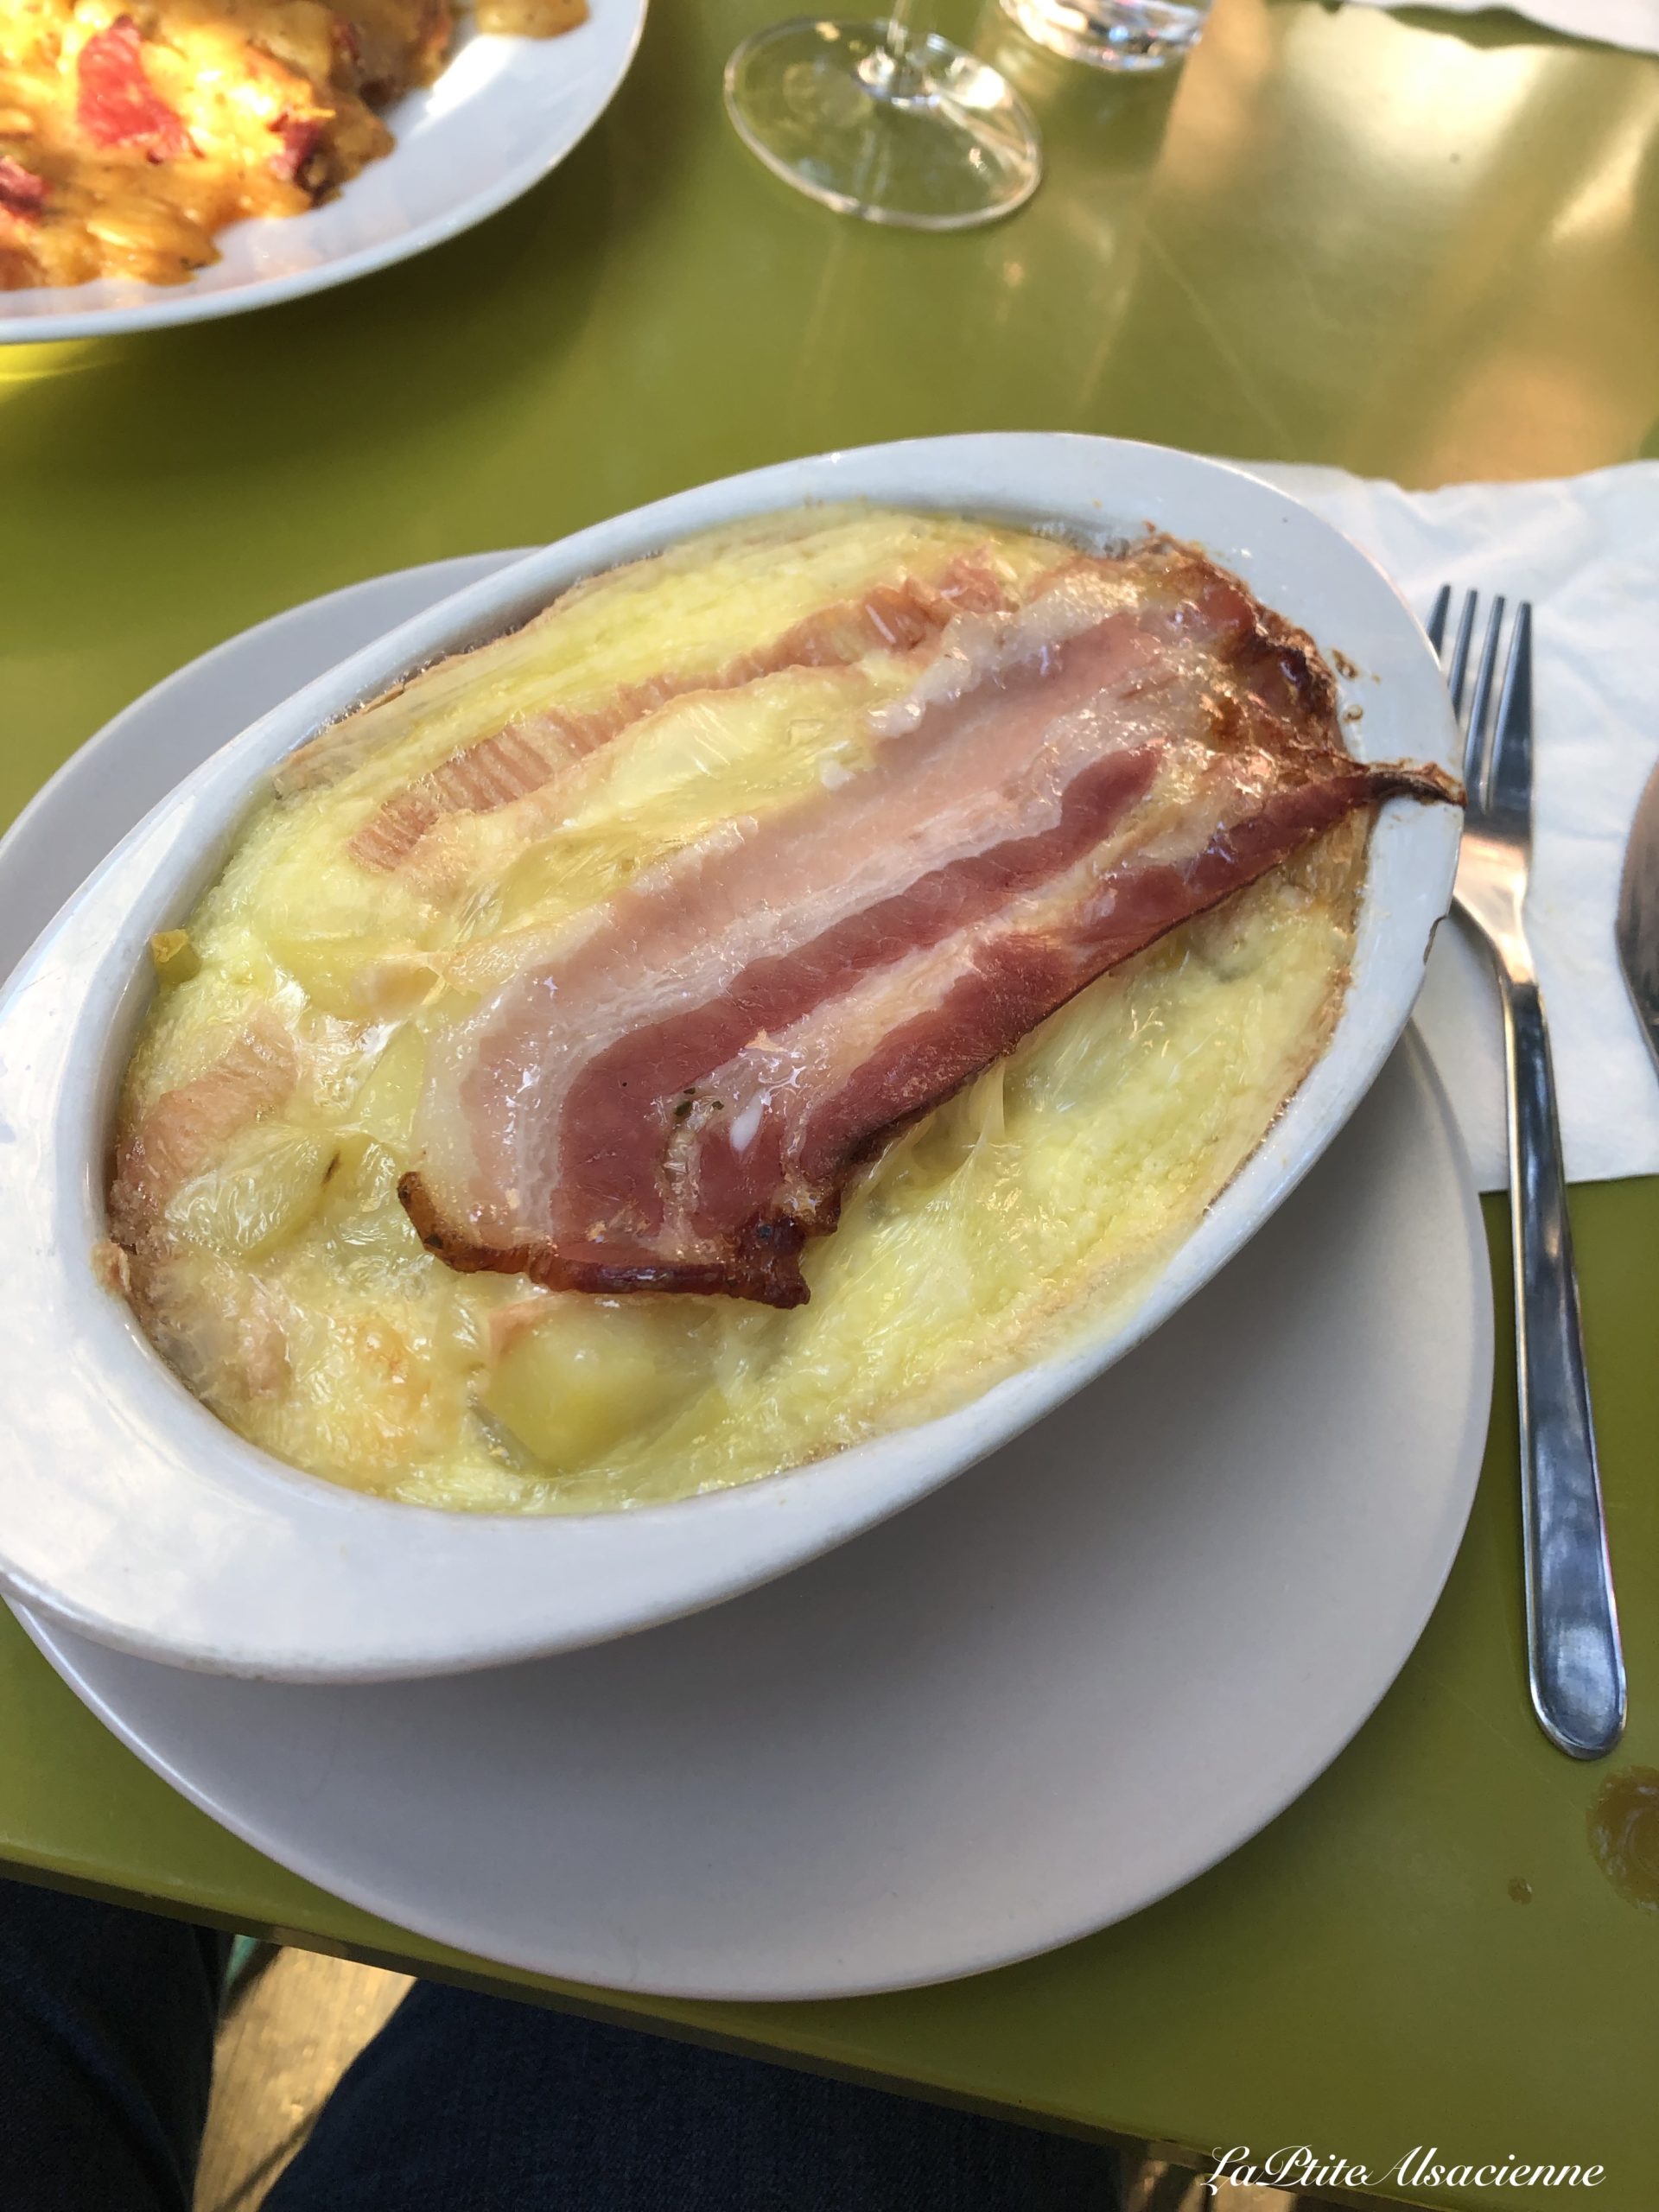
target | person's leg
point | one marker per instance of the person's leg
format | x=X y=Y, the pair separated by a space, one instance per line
x=107 y=2051
x=479 y=2104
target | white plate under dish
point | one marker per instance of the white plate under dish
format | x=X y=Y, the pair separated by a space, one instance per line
x=1037 y=1702
x=1059 y=1689
x=504 y=111
x=1041 y=1699
x=134 y=1516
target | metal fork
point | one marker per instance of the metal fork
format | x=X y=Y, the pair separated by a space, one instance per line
x=1573 y=1660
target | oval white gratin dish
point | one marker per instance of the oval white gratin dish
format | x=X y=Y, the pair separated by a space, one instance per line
x=131 y=1514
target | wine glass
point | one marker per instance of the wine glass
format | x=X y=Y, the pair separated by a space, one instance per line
x=881 y=120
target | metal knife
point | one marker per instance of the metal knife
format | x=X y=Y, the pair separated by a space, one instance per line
x=1637 y=929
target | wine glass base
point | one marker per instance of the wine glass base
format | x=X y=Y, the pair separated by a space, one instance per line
x=937 y=141
x=1127 y=36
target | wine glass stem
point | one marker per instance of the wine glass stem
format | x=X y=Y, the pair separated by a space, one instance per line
x=893 y=73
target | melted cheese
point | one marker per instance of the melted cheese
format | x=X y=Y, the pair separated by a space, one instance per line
x=285 y=1280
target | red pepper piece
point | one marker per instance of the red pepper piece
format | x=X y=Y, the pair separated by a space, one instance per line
x=118 y=105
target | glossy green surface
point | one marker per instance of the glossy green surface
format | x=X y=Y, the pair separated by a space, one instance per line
x=1344 y=237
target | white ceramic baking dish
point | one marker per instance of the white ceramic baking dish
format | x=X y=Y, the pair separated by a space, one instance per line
x=131 y=1513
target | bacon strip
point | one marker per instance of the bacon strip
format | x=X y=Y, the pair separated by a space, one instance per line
x=521 y=759
x=674 y=1098
x=116 y=105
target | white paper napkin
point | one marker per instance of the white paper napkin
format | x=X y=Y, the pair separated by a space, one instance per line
x=1585 y=549
x=1633 y=23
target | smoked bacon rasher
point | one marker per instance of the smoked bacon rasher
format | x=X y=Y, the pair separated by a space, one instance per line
x=672 y=1093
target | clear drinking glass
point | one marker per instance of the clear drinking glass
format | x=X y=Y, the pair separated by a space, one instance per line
x=1113 y=34
x=881 y=120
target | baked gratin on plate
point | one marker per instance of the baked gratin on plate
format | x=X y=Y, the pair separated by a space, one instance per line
x=789 y=983
x=752 y=1004
x=163 y=162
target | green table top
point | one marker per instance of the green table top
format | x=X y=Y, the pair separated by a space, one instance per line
x=1339 y=236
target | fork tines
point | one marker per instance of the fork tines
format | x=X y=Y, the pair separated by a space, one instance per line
x=1498 y=747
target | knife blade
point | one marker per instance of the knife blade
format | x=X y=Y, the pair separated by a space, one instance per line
x=1637 y=927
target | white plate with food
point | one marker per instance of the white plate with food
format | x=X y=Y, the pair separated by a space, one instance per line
x=1048 y=1694
x=214 y=158
x=662 y=1061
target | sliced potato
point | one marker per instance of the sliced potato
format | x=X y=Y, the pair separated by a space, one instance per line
x=246 y=1211
x=384 y=1108
x=326 y=967
x=361 y=1207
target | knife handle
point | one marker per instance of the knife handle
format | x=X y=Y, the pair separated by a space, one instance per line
x=1574 y=1663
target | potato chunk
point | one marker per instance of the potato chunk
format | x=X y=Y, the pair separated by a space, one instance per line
x=174 y=958
x=531 y=18
x=573 y=1383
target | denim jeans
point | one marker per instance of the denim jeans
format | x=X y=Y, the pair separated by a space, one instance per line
x=463 y=2103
